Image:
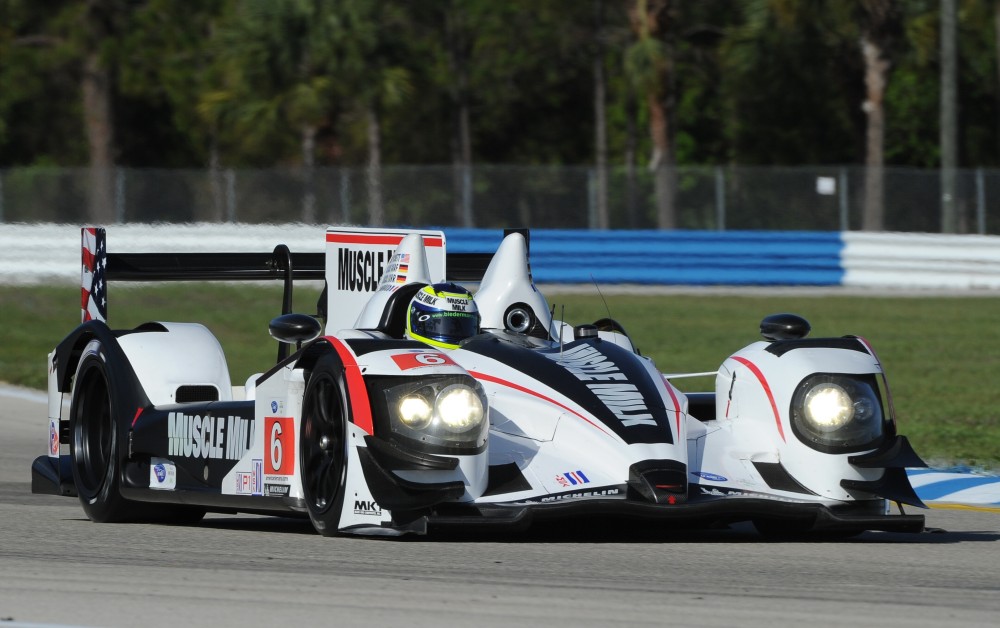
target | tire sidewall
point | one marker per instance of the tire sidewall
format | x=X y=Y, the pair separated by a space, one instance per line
x=104 y=502
x=327 y=520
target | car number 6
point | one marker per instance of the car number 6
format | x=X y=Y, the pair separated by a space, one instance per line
x=431 y=359
x=276 y=445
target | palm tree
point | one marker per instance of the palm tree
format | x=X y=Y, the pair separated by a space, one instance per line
x=275 y=59
x=649 y=64
x=880 y=25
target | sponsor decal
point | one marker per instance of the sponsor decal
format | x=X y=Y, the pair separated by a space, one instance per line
x=54 y=438
x=162 y=474
x=398 y=268
x=722 y=491
x=623 y=399
x=279 y=446
x=420 y=357
x=249 y=482
x=581 y=495
x=711 y=477
x=369 y=508
x=360 y=271
x=572 y=478
x=276 y=490
x=274 y=406
x=209 y=437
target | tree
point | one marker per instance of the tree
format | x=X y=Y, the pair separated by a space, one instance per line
x=949 y=114
x=880 y=26
x=600 y=117
x=276 y=62
x=649 y=62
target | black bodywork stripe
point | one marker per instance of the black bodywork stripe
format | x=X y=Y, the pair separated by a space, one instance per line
x=850 y=343
x=644 y=421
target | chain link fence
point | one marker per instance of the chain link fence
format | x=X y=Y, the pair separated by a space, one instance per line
x=494 y=196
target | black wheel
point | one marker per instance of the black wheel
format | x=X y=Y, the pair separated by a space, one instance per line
x=95 y=442
x=322 y=446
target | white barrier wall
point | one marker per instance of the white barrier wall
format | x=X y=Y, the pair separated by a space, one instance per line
x=42 y=253
x=45 y=253
x=916 y=260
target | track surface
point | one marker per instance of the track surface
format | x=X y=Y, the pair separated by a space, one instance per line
x=56 y=567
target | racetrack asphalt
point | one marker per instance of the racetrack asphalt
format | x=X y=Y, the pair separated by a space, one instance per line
x=233 y=571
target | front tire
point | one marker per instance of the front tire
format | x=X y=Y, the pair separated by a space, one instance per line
x=322 y=444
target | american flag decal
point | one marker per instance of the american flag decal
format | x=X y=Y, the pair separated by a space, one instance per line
x=93 y=287
x=572 y=478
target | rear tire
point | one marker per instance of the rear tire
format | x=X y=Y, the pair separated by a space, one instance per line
x=95 y=440
x=322 y=444
x=96 y=450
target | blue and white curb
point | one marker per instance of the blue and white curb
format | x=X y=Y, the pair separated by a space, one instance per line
x=958 y=487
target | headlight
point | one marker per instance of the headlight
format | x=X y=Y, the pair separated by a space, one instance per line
x=460 y=408
x=837 y=413
x=828 y=407
x=447 y=412
x=415 y=411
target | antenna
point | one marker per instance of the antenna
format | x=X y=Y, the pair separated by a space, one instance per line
x=562 y=325
x=601 y=294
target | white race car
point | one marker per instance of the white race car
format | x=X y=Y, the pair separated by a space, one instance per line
x=368 y=431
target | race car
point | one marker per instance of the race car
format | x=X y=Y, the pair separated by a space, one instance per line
x=407 y=403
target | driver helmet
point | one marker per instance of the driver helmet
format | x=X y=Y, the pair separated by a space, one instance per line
x=442 y=315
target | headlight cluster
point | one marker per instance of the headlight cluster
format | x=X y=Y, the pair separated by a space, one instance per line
x=441 y=411
x=838 y=413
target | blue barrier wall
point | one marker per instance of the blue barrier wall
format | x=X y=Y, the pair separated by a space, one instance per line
x=761 y=258
x=51 y=252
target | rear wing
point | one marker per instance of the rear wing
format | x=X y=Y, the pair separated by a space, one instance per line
x=99 y=267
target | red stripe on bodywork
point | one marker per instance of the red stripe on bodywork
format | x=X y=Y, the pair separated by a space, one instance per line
x=137 y=413
x=389 y=240
x=361 y=409
x=767 y=389
x=677 y=405
x=519 y=388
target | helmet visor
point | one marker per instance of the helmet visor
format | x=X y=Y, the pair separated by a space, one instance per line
x=449 y=327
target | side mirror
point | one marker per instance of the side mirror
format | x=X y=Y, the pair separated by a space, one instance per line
x=294 y=328
x=784 y=327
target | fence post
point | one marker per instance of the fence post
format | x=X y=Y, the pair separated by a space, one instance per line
x=467 y=215
x=842 y=185
x=720 y=199
x=345 y=196
x=119 y=195
x=591 y=199
x=980 y=202
x=230 y=195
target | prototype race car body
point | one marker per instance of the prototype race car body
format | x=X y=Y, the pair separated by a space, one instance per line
x=368 y=432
